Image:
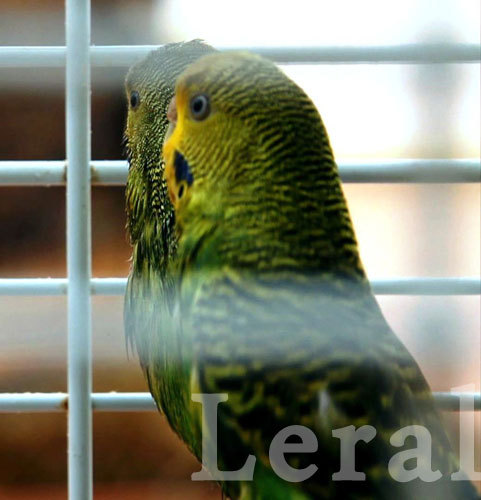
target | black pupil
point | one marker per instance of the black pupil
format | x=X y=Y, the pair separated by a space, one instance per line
x=134 y=99
x=181 y=191
x=198 y=105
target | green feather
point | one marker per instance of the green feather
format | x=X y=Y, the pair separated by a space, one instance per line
x=151 y=225
x=266 y=298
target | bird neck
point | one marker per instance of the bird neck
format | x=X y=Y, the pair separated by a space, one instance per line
x=295 y=221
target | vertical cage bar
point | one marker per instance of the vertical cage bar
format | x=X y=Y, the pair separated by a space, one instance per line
x=79 y=249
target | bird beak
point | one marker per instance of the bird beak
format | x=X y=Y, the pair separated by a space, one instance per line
x=177 y=171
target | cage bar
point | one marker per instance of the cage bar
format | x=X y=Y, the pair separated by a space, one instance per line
x=116 y=286
x=143 y=401
x=114 y=172
x=125 y=55
x=80 y=483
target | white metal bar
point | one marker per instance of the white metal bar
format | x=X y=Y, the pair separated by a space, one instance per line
x=449 y=401
x=108 y=286
x=33 y=286
x=126 y=401
x=142 y=401
x=114 y=172
x=125 y=55
x=79 y=250
x=408 y=53
x=411 y=170
x=34 y=402
x=54 y=172
x=42 y=173
x=32 y=57
x=427 y=286
x=116 y=286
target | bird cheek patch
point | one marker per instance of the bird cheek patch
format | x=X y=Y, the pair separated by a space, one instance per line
x=182 y=169
x=179 y=178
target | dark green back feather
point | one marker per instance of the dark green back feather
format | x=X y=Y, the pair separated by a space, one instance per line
x=274 y=296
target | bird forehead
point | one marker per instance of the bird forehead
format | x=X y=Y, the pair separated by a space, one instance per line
x=232 y=76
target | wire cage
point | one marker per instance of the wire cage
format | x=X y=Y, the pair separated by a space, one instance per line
x=78 y=172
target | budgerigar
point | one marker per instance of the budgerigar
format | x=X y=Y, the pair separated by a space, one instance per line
x=267 y=304
x=150 y=218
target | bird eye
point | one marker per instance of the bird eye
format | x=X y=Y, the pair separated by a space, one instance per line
x=134 y=99
x=200 y=107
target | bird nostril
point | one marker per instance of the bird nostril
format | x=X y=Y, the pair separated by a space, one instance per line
x=181 y=191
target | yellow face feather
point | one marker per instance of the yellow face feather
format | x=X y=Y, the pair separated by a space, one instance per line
x=179 y=188
x=236 y=146
x=175 y=115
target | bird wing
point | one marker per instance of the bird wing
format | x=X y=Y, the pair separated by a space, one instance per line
x=294 y=354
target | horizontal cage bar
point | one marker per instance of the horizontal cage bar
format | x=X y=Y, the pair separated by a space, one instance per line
x=125 y=55
x=142 y=401
x=54 y=173
x=114 y=172
x=116 y=286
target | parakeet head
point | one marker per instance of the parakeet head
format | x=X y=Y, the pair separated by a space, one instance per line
x=149 y=88
x=229 y=110
x=250 y=153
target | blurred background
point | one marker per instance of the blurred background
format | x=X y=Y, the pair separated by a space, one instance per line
x=371 y=111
